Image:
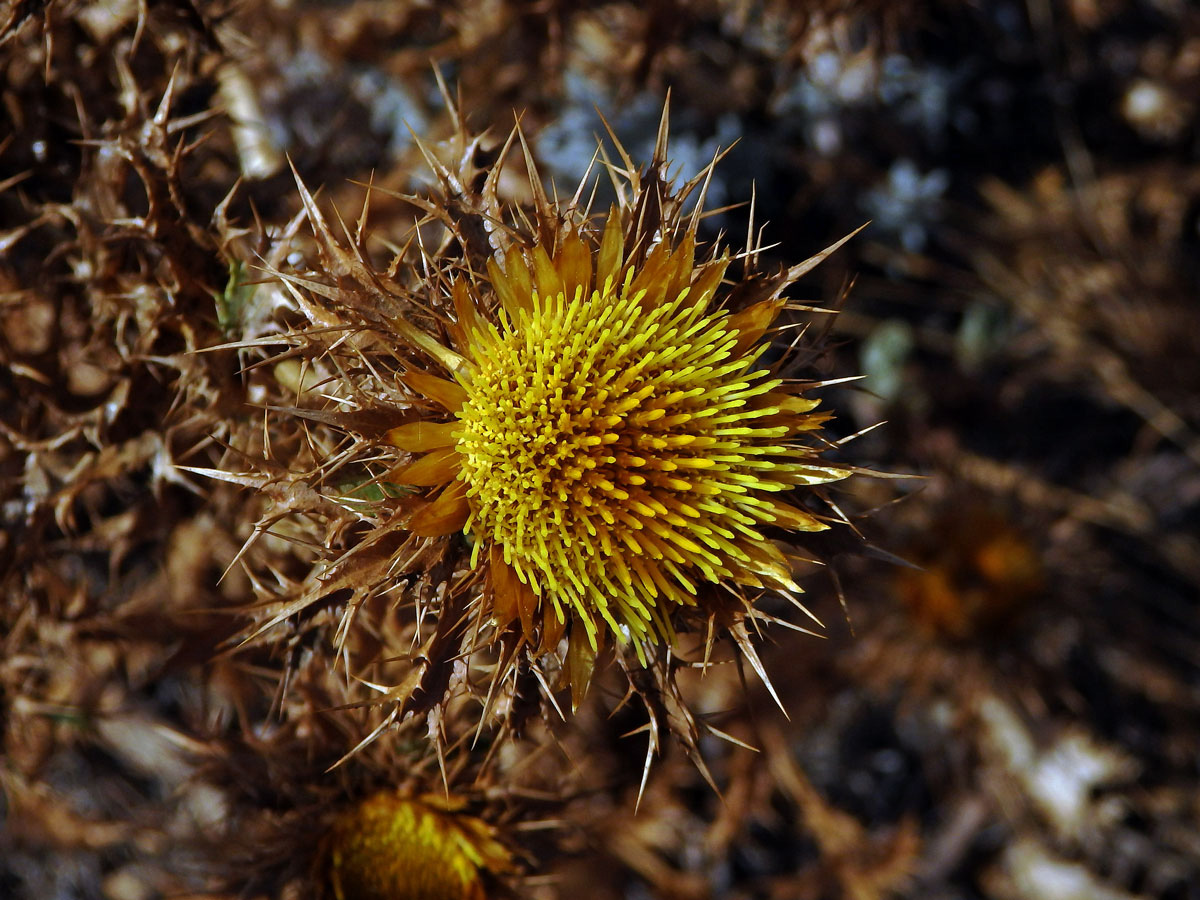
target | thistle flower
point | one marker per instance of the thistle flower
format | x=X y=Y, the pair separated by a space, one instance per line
x=423 y=848
x=615 y=444
x=588 y=451
x=306 y=819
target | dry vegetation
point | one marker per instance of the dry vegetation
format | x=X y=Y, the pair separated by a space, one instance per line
x=231 y=665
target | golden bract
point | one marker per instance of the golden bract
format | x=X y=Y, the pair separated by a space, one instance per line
x=616 y=444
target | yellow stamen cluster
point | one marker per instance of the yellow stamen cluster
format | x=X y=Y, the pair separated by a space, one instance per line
x=420 y=848
x=614 y=449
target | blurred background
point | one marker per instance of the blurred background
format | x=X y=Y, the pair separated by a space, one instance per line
x=1006 y=699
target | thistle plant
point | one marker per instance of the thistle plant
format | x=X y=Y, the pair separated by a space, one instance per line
x=305 y=820
x=574 y=448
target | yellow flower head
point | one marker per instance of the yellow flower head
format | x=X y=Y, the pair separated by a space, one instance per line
x=420 y=848
x=594 y=453
x=616 y=442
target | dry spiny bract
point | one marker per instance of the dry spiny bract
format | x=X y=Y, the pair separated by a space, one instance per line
x=576 y=448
